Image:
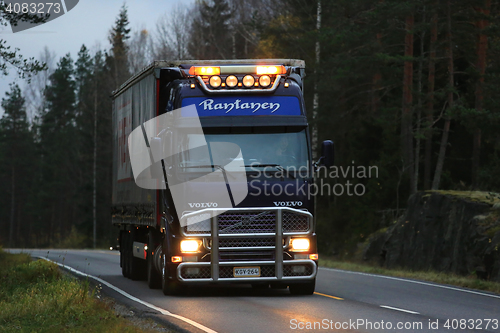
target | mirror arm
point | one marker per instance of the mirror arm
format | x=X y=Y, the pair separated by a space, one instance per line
x=317 y=164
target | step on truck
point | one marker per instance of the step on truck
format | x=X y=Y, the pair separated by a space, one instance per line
x=212 y=167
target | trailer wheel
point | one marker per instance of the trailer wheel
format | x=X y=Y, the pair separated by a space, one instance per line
x=169 y=286
x=123 y=254
x=302 y=288
x=128 y=254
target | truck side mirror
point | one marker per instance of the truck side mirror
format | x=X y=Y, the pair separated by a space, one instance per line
x=327 y=153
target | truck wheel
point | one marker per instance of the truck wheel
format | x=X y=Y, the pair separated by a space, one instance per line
x=169 y=286
x=154 y=278
x=137 y=265
x=302 y=288
x=128 y=255
x=123 y=254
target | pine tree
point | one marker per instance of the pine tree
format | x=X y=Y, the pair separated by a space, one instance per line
x=10 y=57
x=16 y=154
x=118 y=37
x=210 y=31
x=59 y=149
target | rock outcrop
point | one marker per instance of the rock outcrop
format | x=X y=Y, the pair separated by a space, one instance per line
x=443 y=231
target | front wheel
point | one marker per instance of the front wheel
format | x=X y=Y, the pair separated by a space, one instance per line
x=153 y=276
x=169 y=286
x=302 y=288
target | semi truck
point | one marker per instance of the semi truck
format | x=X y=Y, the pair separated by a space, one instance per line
x=234 y=135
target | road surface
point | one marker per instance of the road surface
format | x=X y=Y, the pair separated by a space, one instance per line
x=344 y=301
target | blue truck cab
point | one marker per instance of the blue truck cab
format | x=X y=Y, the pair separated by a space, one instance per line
x=264 y=237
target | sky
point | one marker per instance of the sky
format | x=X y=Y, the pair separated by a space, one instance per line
x=88 y=23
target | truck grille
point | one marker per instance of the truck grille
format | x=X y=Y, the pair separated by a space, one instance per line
x=232 y=243
x=252 y=222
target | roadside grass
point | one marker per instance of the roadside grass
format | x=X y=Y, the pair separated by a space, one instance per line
x=470 y=282
x=35 y=296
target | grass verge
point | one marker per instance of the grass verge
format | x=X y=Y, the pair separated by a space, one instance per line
x=35 y=296
x=431 y=276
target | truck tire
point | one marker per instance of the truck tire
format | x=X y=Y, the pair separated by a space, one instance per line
x=302 y=288
x=153 y=276
x=137 y=266
x=169 y=286
x=123 y=254
x=127 y=258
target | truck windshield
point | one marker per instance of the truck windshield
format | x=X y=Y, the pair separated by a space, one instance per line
x=284 y=150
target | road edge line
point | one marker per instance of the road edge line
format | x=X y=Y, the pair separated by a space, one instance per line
x=133 y=298
x=413 y=281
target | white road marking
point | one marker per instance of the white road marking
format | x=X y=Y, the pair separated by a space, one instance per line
x=149 y=305
x=413 y=281
x=398 y=309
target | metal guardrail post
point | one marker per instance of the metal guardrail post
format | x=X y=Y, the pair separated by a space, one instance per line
x=214 y=256
x=279 y=245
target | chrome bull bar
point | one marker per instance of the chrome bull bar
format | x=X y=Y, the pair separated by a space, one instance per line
x=215 y=234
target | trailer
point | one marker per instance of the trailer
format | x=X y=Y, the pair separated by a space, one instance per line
x=212 y=167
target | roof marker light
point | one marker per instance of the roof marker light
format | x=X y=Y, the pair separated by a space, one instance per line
x=271 y=70
x=194 y=70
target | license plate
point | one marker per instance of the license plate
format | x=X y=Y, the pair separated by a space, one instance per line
x=246 y=271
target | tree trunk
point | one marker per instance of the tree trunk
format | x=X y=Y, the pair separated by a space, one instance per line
x=482 y=46
x=314 y=130
x=94 y=173
x=419 y=107
x=12 y=206
x=406 y=117
x=446 y=129
x=430 y=101
x=377 y=77
x=233 y=42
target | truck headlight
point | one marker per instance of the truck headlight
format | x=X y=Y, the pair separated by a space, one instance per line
x=215 y=81
x=248 y=81
x=265 y=81
x=231 y=81
x=299 y=244
x=190 y=245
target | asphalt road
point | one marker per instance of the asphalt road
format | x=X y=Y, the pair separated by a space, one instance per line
x=344 y=301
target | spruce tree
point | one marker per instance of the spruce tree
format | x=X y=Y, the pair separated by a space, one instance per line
x=118 y=37
x=17 y=164
x=210 y=31
x=59 y=149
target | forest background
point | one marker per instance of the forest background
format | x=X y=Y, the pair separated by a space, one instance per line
x=407 y=86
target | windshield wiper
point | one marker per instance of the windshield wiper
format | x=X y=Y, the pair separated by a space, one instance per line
x=277 y=166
